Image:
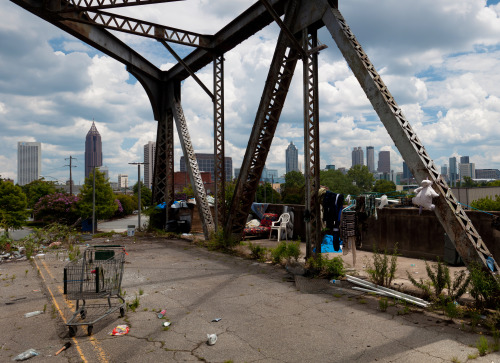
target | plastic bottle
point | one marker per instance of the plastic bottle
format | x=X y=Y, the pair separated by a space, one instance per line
x=26 y=355
x=162 y=314
x=336 y=282
x=33 y=313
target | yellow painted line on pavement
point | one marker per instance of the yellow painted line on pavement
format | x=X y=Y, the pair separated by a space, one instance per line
x=97 y=346
x=60 y=312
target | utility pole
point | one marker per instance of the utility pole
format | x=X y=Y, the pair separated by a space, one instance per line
x=139 y=191
x=70 y=175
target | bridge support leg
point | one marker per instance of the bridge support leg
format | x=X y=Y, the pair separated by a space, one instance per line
x=270 y=107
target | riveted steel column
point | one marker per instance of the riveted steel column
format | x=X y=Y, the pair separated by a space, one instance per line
x=163 y=174
x=219 y=162
x=449 y=212
x=270 y=107
x=311 y=142
x=192 y=166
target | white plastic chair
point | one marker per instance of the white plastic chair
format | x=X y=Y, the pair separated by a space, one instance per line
x=280 y=225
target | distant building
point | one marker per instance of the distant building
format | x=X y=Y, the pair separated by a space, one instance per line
x=399 y=177
x=453 y=171
x=384 y=162
x=464 y=160
x=206 y=163
x=407 y=175
x=29 y=162
x=269 y=175
x=488 y=174
x=330 y=167
x=370 y=158
x=181 y=180
x=105 y=171
x=343 y=170
x=444 y=172
x=236 y=173
x=122 y=181
x=357 y=156
x=467 y=170
x=292 y=158
x=149 y=163
x=93 y=150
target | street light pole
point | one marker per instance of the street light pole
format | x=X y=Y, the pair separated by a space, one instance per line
x=139 y=192
x=93 y=202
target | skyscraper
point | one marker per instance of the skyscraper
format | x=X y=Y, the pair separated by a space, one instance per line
x=93 y=150
x=370 y=158
x=206 y=163
x=357 y=156
x=292 y=158
x=384 y=162
x=467 y=170
x=464 y=160
x=453 y=175
x=29 y=162
x=407 y=175
x=122 y=181
x=149 y=163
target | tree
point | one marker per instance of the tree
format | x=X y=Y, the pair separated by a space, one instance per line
x=384 y=186
x=468 y=182
x=105 y=205
x=487 y=204
x=337 y=182
x=37 y=189
x=59 y=207
x=292 y=190
x=13 y=205
x=146 y=194
x=360 y=175
x=266 y=194
x=129 y=203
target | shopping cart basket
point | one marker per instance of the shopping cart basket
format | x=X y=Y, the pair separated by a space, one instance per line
x=97 y=275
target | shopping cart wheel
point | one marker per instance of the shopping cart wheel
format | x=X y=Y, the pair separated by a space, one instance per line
x=89 y=330
x=122 y=312
x=83 y=314
x=72 y=331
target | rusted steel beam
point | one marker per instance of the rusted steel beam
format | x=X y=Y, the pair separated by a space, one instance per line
x=219 y=162
x=449 y=212
x=311 y=141
x=142 y=28
x=94 y=36
x=268 y=114
x=83 y=5
x=192 y=166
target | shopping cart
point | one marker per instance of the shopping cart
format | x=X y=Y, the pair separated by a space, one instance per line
x=97 y=275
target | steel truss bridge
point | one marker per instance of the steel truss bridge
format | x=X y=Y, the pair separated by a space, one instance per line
x=90 y=21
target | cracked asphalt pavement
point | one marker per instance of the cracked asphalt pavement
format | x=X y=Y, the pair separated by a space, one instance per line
x=266 y=314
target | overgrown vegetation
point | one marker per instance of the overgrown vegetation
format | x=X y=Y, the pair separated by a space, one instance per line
x=285 y=251
x=257 y=252
x=382 y=271
x=322 y=267
x=219 y=241
x=485 y=289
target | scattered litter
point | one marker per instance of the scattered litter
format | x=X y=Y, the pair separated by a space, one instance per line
x=336 y=282
x=40 y=255
x=19 y=298
x=55 y=244
x=412 y=265
x=66 y=346
x=167 y=323
x=162 y=314
x=36 y=290
x=26 y=355
x=415 y=272
x=216 y=320
x=33 y=313
x=120 y=330
x=211 y=339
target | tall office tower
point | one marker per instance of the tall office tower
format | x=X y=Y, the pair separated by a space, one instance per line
x=444 y=172
x=464 y=160
x=292 y=158
x=93 y=150
x=452 y=171
x=105 y=171
x=407 y=175
x=357 y=156
x=467 y=170
x=29 y=162
x=206 y=163
x=384 y=162
x=122 y=181
x=370 y=158
x=149 y=160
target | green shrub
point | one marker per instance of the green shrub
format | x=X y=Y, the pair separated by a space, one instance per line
x=382 y=272
x=322 y=267
x=485 y=289
x=285 y=250
x=482 y=345
x=257 y=252
x=218 y=241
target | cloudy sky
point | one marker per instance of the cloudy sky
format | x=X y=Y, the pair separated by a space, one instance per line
x=439 y=58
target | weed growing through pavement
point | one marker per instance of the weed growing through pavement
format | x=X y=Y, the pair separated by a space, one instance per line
x=383 y=271
x=383 y=304
x=141 y=292
x=44 y=308
x=134 y=304
x=482 y=346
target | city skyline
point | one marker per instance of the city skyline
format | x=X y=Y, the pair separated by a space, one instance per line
x=441 y=76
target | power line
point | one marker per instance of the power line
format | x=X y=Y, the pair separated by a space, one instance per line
x=70 y=174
